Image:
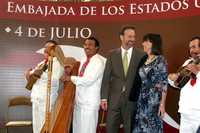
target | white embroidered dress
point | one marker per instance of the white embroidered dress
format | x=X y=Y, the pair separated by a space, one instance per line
x=39 y=91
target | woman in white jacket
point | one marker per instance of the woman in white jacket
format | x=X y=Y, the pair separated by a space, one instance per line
x=39 y=90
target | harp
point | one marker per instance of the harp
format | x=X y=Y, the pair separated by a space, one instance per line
x=59 y=120
x=64 y=106
x=46 y=126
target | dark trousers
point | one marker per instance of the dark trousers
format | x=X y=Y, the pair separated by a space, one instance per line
x=123 y=113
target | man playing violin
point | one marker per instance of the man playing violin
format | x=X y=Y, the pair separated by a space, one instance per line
x=189 y=105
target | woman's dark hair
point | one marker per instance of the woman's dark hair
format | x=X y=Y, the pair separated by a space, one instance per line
x=156 y=41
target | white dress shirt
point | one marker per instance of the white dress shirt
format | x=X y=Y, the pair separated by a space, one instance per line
x=189 y=98
x=129 y=53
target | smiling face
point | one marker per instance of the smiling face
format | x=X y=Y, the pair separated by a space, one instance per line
x=147 y=47
x=128 y=38
x=194 y=48
x=90 y=48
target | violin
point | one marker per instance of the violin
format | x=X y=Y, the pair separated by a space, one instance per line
x=35 y=76
x=185 y=75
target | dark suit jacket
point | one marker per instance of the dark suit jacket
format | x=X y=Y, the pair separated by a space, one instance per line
x=114 y=79
x=135 y=90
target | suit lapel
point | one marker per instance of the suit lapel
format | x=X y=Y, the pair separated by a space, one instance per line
x=119 y=63
x=133 y=63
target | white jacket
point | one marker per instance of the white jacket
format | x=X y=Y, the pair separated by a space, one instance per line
x=39 y=89
x=88 y=86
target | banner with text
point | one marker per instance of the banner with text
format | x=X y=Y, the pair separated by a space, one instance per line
x=98 y=12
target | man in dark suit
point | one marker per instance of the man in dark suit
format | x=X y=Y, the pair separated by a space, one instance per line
x=120 y=75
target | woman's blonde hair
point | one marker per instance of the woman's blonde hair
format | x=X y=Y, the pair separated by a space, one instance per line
x=58 y=53
x=64 y=61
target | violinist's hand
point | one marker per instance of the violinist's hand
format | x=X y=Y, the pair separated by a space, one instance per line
x=27 y=73
x=193 y=68
x=173 y=76
x=37 y=72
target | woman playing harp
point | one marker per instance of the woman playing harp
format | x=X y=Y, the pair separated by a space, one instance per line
x=39 y=90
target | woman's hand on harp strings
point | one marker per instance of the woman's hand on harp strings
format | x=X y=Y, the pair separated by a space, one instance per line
x=65 y=78
x=67 y=73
